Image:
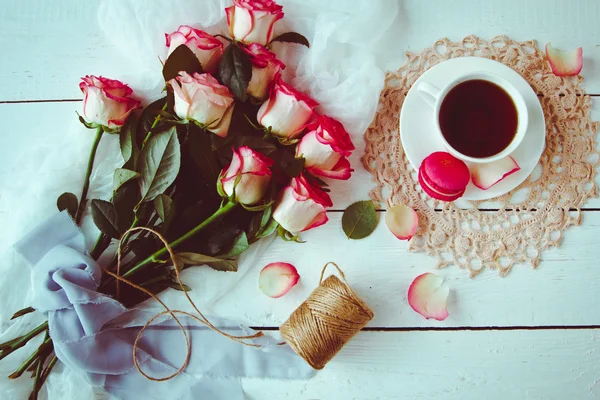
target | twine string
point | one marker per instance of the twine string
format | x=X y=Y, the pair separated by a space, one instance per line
x=199 y=317
x=331 y=316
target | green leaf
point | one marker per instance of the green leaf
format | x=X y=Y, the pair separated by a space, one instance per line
x=271 y=226
x=165 y=208
x=286 y=162
x=201 y=259
x=292 y=37
x=181 y=288
x=182 y=59
x=125 y=200
x=85 y=123
x=127 y=142
x=105 y=218
x=159 y=164
x=200 y=147
x=240 y=245
x=235 y=70
x=123 y=176
x=67 y=201
x=360 y=220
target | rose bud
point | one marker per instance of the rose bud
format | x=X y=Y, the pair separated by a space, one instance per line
x=254 y=170
x=251 y=21
x=265 y=68
x=287 y=111
x=207 y=48
x=202 y=99
x=301 y=206
x=325 y=148
x=106 y=102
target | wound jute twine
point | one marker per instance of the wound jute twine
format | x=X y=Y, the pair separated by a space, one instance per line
x=326 y=321
x=316 y=330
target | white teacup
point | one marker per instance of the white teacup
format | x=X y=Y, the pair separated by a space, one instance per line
x=435 y=97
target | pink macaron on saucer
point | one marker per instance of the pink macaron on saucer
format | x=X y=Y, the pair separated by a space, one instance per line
x=443 y=176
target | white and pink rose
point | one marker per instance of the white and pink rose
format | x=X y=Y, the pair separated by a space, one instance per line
x=207 y=48
x=287 y=111
x=325 y=147
x=301 y=206
x=265 y=70
x=106 y=102
x=248 y=175
x=252 y=21
x=200 y=98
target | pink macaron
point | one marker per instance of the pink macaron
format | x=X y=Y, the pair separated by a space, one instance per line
x=443 y=176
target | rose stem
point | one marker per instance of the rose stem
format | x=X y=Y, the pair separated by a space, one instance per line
x=24 y=339
x=88 y=173
x=47 y=370
x=164 y=108
x=22 y=312
x=152 y=258
x=43 y=347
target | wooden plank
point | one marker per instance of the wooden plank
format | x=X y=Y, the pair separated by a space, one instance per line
x=49 y=45
x=549 y=365
x=561 y=291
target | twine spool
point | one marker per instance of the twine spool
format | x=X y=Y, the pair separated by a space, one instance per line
x=319 y=328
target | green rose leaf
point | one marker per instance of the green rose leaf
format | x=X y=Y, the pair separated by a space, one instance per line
x=286 y=162
x=240 y=245
x=165 y=208
x=142 y=247
x=200 y=147
x=201 y=259
x=254 y=142
x=105 y=218
x=122 y=176
x=292 y=37
x=181 y=287
x=127 y=142
x=235 y=70
x=159 y=164
x=360 y=220
x=182 y=59
x=268 y=230
x=67 y=201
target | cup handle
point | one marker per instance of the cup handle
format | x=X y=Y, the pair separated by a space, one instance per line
x=429 y=93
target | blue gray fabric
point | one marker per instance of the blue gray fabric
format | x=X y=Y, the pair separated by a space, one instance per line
x=93 y=334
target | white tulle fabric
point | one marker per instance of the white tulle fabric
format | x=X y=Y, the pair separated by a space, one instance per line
x=351 y=43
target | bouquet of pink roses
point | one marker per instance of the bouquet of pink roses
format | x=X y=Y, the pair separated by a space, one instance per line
x=231 y=154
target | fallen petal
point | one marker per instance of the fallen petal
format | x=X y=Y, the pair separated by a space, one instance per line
x=564 y=63
x=402 y=221
x=428 y=297
x=486 y=175
x=276 y=279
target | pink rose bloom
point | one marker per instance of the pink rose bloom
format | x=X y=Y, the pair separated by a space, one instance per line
x=255 y=172
x=106 y=102
x=325 y=148
x=287 y=111
x=207 y=48
x=265 y=68
x=202 y=99
x=251 y=21
x=301 y=206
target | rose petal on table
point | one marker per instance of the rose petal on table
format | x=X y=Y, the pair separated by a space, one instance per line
x=428 y=297
x=486 y=175
x=402 y=221
x=276 y=279
x=564 y=63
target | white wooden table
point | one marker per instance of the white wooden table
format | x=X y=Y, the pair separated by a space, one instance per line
x=532 y=335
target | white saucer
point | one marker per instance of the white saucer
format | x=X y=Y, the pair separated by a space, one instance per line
x=418 y=132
